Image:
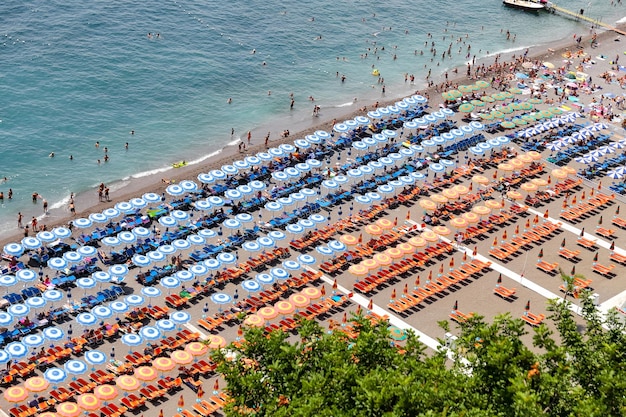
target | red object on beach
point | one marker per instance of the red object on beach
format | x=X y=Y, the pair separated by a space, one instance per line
x=181 y=402
x=495 y=241
x=582 y=197
x=358 y=310
x=344 y=319
x=216 y=385
x=595 y=258
x=451 y=264
x=430 y=276
x=393 y=294
x=592 y=192
x=370 y=305
x=612 y=247
x=395 y=221
x=527 y=224
x=417 y=281
x=408 y=215
x=200 y=391
x=441 y=269
x=456 y=305
x=475 y=251
x=541 y=253
x=546 y=215
x=582 y=232
x=517 y=229
x=599 y=185
x=471 y=186
x=406 y=289
x=323 y=291
x=574 y=200
x=527 y=308
x=464 y=256
x=504 y=235
x=335 y=284
x=536 y=219
x=573 y=272
x=161 y=413
x=549 y=179
x=240 y=332
x=499 y=279
x=495 y=175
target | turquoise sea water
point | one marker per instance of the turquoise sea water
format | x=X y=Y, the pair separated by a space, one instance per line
x=74 y=72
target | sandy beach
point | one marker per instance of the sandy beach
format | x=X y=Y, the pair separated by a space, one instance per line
x=472 y=294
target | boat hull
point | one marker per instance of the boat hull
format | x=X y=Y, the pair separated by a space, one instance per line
x=524 y=5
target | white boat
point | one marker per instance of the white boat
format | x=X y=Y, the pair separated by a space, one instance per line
x=526 y=4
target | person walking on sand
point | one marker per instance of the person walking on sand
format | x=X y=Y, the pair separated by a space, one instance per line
x=19 y=219
x=45 y=206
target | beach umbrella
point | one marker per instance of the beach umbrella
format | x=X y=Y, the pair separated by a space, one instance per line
x=19 y=310
x=127 y=383
x=53 y=333
x=88 y=402
x=32 y=340
x=131 y=339
x=26 y=275
x=75 y=367
x=55 y=375
x=15 y=394
x=95 y=357
x=105 y=392
x=86 y=319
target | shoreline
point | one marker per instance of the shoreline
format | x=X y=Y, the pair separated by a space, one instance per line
x=87 y=202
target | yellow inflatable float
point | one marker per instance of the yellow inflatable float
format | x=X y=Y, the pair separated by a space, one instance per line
x=375 y=73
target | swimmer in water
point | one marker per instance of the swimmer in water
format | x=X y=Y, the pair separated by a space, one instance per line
x=71 y=157
x=51 y=155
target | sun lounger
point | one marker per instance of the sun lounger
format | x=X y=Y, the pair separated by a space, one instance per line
x=533 y=319
x=506 y=293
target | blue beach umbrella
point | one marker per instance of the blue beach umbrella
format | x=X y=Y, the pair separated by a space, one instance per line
x=132 y=340
x=87 y=251
x=188 y=186
x=98 y=218
x=35 y=302
x=101 y=276
x=226 y=258
x=151 y=292
x=111 y=241
x=118 y=270
x=181 y=317
x=95 y=357
x=62 y=232
x=305 y=259
x=33 y=340
x=5 y=318
x=166 y=325
x=251 y=246
x=26 y=275
x=14 y=249
x=82 y=223
x=196 y=240
x=119 y=307
x=75 y=367
x=141 y=260
x=16 y=350
x=55 y=375
x=205 y=178
x=221 y=298
x=46 y=236
x=102 y=312
x=212 y=264
x=251 y=286
x=86 y=319
x=279 y=273
x=134 y=300
x=151 y=198
x=184 y=275
x=72 y=257
x=150 y=333
x=170 y=282
x=31 y=243
x=264 y=279
x=18 y=310
x=53 y=333
x=199 y=269
x=175 y=190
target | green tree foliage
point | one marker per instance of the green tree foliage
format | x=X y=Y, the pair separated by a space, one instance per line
x=580 y=370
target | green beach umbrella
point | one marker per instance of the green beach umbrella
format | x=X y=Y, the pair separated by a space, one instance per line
x=446 y=96
x=520 y=122
x=482 y=84
x=497 y=114
x=535 y=101
x=570 y=75
x=487 y=116
x=498 y=96
x=455 y=93
x=506 y=109
x=466 y=107
x=538 y=116
x=475 y=87
x=487 y=99
x=546 y=114
x=396 y=333
x=477 y=103
x=526 y=105
x=465 y=89
x=507 y=124
x=507 y=94
x=515 y=90
x=529 y=118
x=515 y=106
x=555 y=110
